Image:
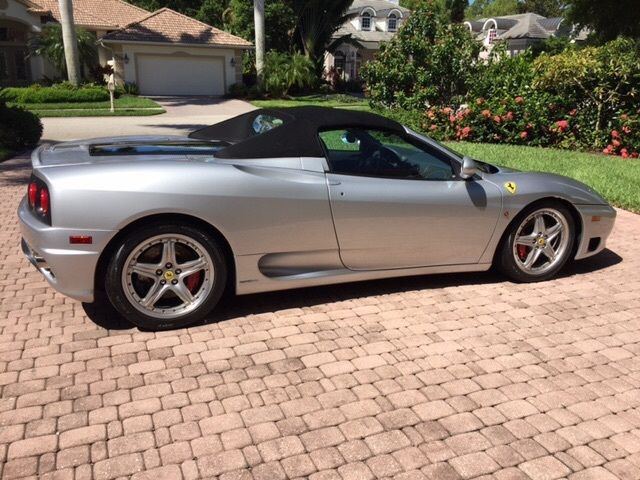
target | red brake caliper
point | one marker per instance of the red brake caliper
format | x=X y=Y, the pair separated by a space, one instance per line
x=193 y=281
x=522 y=252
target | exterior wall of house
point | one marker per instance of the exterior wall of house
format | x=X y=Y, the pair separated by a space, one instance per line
x=12 y=11
x=126 y=59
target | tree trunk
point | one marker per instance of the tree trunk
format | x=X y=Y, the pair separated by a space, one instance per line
x=70 y=41
x=258 y=18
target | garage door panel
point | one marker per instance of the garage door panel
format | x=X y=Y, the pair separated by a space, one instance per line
x=180 y=75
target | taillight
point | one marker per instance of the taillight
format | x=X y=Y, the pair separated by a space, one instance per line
x=44 y=201
x=33 y=194
x=39 y=199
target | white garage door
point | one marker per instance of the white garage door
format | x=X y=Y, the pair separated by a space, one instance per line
x=180 y=75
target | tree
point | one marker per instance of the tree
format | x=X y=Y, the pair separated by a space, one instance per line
x=214 y=12
x=456 y=9
x=70 y=41
x=492 y=8
x=546 y=8
x=607 y=19
x=280 y=22
x=49 y=44
x=428 y=62
x=258 y=18
x=317 y=22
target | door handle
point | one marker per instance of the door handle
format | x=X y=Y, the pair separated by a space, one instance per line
x=334 y=183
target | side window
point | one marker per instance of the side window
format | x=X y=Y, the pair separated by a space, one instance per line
x=376 y=153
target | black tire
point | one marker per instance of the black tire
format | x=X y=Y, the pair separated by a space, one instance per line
x=119 y=299
x=505 y=260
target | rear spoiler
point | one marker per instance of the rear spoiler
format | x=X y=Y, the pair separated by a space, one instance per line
x=35 y=155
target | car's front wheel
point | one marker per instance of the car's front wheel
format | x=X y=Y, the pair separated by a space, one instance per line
x=166 y=276
x=539 y=243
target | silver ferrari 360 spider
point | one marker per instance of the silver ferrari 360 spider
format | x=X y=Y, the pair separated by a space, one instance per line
x=288 y=198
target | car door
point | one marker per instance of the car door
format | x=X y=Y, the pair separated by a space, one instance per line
x=398 y=202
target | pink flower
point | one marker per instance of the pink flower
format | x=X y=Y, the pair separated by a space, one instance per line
x=431 y=115
x=509 y=116
x=486 y=113
x=624 y=154
x=524 y=135
x=607 y=151
x=466 y=131
x=480 y=101
x=519 y=100
x=616 y=143
x=615 y=134
x=452 y=118
x=573 y=113
x=497 y=119
x=626 y=129
x=562 y=125
x=434 y=127
x=634 y=155
x=447 y=110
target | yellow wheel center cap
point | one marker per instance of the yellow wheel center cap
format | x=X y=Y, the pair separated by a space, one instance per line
x=169 y=275
x=542 y=242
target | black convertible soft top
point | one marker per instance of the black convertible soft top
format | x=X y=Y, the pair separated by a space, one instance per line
x=291 y=132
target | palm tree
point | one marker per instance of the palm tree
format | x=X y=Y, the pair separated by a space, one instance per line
x=318 y=20
x=70 y=41
x=258 y=18
x=50 y=44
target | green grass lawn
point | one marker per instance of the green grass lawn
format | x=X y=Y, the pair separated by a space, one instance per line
x=335 y=101
x=125 y=106
x=615 y=178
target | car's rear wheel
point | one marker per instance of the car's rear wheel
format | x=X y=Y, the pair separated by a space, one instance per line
x=166 y=276
x=539 y=243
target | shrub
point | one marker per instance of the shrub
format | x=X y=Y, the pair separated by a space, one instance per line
x=428 y=62
x=18 y=128
x=58 y=93
x=285 y=71
x=599 y=81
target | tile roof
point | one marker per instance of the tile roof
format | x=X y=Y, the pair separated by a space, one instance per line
x=382 y=7
x=169 y=26
x=108 y=14
x=524 y=25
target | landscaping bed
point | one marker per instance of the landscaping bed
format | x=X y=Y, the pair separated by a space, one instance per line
x=65 y=100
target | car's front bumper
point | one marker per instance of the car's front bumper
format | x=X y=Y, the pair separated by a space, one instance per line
x=70 y=269
x=597 y=223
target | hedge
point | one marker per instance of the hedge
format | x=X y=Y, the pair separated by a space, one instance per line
x=59 y=93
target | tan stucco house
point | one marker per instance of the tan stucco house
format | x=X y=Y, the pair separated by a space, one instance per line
x=163 y=52
x=369 y=23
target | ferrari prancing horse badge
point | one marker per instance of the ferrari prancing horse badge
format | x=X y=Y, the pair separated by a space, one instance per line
x=511 y=187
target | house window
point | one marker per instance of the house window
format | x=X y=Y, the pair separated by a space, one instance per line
x=393 y=22
x=492 y=35
x=4 y=72
x=339 y=61
x=366 y=21
x=22 y=66
x=4 y=34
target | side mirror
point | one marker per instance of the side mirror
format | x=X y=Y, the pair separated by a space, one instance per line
x=469 y=168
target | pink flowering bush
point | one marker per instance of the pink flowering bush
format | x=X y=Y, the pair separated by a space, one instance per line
x=624 y=138
x=539 y=122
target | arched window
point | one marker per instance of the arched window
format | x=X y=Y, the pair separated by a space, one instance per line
x=365 y=21
x=393 y=23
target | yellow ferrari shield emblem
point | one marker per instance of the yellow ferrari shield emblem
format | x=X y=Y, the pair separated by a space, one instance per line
x=169 y=275
x=511 y=187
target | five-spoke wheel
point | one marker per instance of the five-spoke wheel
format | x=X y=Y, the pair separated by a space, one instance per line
x=165 y=276
x=539 y=243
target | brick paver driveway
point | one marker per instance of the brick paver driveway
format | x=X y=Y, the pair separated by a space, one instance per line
x=435 y=377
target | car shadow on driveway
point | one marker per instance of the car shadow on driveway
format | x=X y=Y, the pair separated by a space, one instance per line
x=104 y=315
